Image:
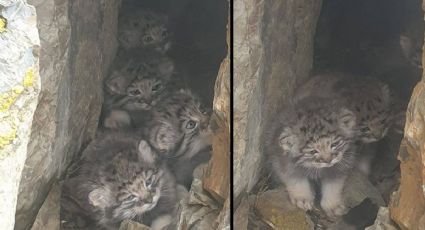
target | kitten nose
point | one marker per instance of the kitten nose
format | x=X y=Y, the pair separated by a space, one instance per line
x=377 y=135
x=148 y=198
x=327 y=158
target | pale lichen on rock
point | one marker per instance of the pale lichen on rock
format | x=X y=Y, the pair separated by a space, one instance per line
x=18 y=98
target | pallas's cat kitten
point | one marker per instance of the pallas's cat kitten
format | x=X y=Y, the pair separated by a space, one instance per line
x=369 y=99
x=139 y=78
x=143 y=28
x=179 y=125
x=312 y=140
x=121 y=178
x=179 y=129
x=131 y=67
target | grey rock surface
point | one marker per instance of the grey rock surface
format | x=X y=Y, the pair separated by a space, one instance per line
x=78 y=42
x=48 y=217
x=131 y=225
x=275 y=209
x=19 y=89
x=273 y=43
x=198 y=210
x=383 y=221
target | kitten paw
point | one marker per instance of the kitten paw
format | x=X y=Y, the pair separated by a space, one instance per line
x=333 y=208
x=304 y=201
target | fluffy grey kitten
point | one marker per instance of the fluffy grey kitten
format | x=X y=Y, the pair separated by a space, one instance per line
x=313 y=140
x=121 y=177
x=369 y=99
x=142 y=94
x=179 y=130
x=134 y=65
x=179 y=125
x=140 y=77
x=143 y=28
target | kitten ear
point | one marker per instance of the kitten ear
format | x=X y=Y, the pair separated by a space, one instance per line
x=116 y=84
x=406 y=45
x=146 y=153
x=287 y=139
x=163 y=136
x=99 y=198
x=347 y=120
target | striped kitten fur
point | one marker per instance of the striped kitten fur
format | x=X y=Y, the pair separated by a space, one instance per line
x=370 y=100
x=179 y=129
x=312 y=140
x=121 y=177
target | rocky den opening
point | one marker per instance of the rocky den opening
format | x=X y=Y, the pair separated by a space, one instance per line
x=359 y=51
x=104 y=66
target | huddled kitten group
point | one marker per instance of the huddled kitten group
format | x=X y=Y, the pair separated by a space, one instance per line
x=153 y=133
x=318 y=136
x=314 y=142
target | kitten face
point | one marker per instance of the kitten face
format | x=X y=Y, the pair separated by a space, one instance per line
x=324 y=152
x=144 y=93
x=139 y=194
x=374 y=115
x=180 y=125
x=120 y=79
x=320 y=138
x=372 y=130
x=132 y=182
x=155 y=36
x=143 y=28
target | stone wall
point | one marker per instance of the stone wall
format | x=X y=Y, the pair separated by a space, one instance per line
x=273 y=47
x=19 y=89
x=78 y=42
x=407 y=207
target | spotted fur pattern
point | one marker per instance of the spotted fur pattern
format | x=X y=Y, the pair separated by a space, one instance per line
x=179 y=130
x=143 y=94
x=121 y=178
x=179 y=125
x=368 y=98
x=136 y=68
x=139 y=78
x=142 y=28
x=312 y=139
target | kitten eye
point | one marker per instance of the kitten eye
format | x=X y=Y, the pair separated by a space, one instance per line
x=312 y=152
x=164 y=34
x=335 y=144
x=134 y=92
x=148 y=182
x=135 y=24
x=365 y=129
x=191 y=124
x=157 y=87
x=148 y=38
x=131 y=197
